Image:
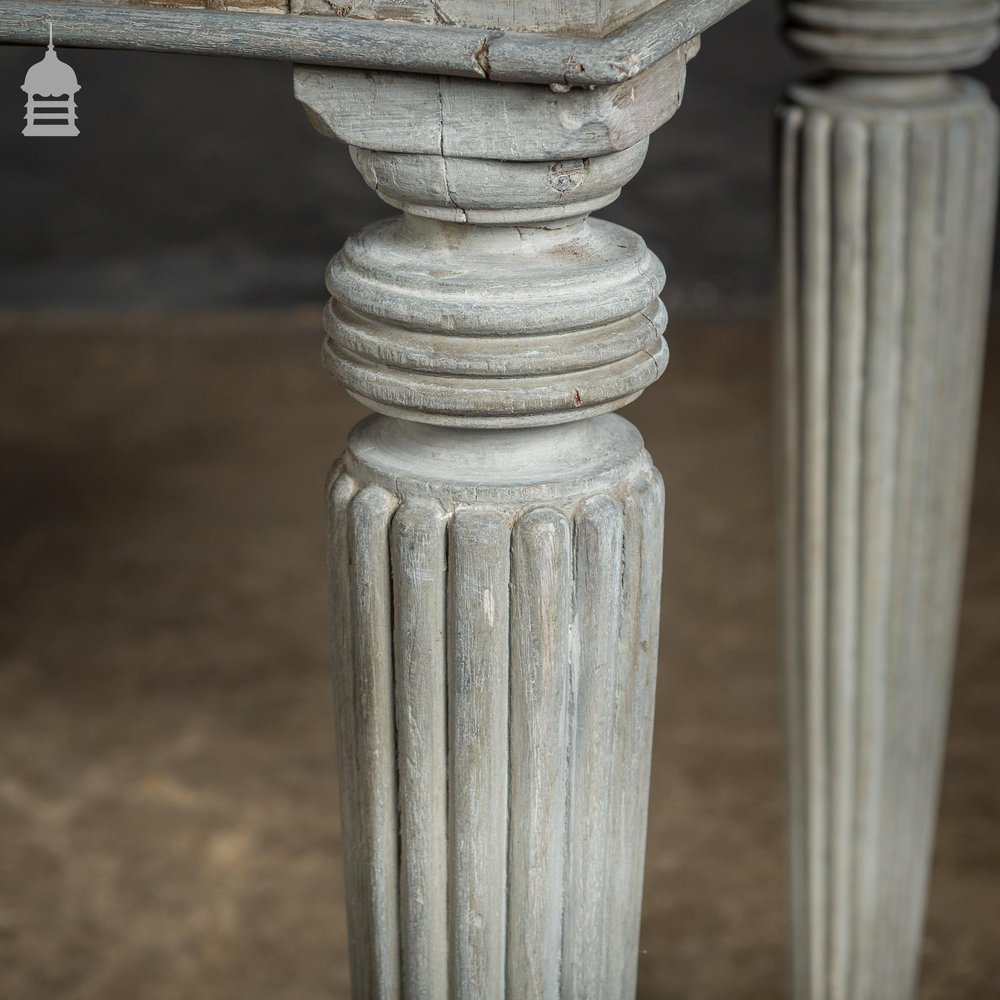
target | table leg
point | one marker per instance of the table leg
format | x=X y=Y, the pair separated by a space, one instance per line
x=495 y=538
x=889 y=171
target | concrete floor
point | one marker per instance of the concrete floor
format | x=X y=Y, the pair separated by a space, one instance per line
x=168 y=822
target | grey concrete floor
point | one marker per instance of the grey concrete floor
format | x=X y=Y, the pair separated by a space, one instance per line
x=168 y=820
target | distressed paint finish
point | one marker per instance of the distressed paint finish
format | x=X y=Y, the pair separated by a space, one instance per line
x=494 y=326
x=633 y=733
x=521 y=723
x=256 y=6
x=599 y=534
x=888 y=193
x=593 y=18
x=560 y=60
x=540 y=676
x=374 y=748
x=479 y=747
x=397 y=113
x=419 y=573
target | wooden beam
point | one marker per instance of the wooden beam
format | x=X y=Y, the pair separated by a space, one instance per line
x=448 y=50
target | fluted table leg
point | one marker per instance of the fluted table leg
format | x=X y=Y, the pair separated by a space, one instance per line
x=495 y=535
x=889 y=171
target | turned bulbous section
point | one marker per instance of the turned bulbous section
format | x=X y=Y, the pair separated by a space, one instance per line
x=494 y=301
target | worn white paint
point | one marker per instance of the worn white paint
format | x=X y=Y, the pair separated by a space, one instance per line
x=419 y=574
x=492 y=326
x=495 y=579
x=540 y=676
x=402 y=113
x=494 y=300
x=599 y=533
x=593 y=18
x=544 y=687
x=886 y=230
x=559 y=60
x=478 y=749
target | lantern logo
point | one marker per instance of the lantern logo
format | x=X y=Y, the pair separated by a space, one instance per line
x=51 y=88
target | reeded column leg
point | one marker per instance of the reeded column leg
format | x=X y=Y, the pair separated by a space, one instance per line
x=889 y=171
x=495 y=535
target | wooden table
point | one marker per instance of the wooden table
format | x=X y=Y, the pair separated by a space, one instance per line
x=495 y=530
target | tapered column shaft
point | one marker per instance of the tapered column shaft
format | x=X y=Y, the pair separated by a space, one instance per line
x=502 y=856
x=495 y=536
x=889 y=170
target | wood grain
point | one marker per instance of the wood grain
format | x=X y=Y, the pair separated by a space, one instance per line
x=400 y=113
x=590 y=844
x=492 y=327
x=586 y=18
x=376 y=839
x=563 y=61
x=541 y=571
x=539 y=740
x=419 y=585
x=478 y=683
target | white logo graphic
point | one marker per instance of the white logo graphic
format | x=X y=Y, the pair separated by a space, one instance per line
x=51 y=88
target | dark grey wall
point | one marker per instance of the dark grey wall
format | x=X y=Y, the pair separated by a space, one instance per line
x=198 y=182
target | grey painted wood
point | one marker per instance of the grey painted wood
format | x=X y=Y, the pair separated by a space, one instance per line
x=512 y=56
x=340 y=492
x=478 y=685
x=550 y=614
x=376 y=837
x=399 y=113
x=642 y=550
x=886 y=226
x=493 y=326
x=596 y=661
x=590 y=18
x=529 y=352
x=572 y=329
x=236 y=6
x=541 y=584
x=891 y=37
x=469 y=191
x=419 y=585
